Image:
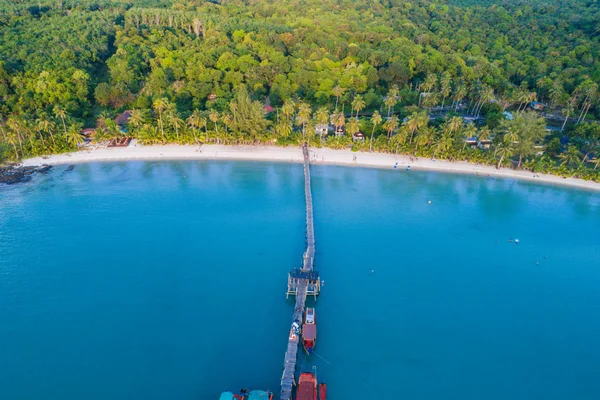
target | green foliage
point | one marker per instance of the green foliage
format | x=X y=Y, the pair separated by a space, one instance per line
x=68 y=62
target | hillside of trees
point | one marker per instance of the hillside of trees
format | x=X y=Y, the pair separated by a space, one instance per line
x=416 y=77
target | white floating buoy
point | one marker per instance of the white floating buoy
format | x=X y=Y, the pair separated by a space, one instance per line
x=429 y=202
x=517 y=241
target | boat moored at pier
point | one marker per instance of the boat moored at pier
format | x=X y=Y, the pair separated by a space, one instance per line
x=307 y=387
x=309 y=331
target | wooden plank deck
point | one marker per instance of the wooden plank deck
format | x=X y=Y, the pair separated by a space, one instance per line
x=289 y=362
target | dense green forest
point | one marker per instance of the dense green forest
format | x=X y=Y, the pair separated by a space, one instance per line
x=418 y=77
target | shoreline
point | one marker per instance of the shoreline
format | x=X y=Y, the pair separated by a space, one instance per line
x=319 y=156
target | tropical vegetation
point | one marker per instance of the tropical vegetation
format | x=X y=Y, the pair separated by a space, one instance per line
x=451 y=79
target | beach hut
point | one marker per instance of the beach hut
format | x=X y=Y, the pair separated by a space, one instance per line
x=123 y=118
x=88 y=132
x=340 y=131
x=321 y=129
x=485 y=144
x=268 y=109
x=358 y=137
x=472 y=142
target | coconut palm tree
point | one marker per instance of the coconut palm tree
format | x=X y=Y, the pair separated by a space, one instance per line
x=445 y=87
x=176 y=123
x=390 y=125
x=46 y=126
x=214 y=118
x=358 y=104
x=61 y=113
x=303 y=116
x=459 y=94
x=444 y=143
x=338 y=119
x=414 y=122
x=503 y=151
x=424 y=138
x=283 y=128
x=453 y=125
x=570 y=108
x=338 y=92
x=322 y=117
x=137 y=119
x=353 y=127
x=389 y=102
x=193 y=122
x=74 y=137
x=375 y=121
x=161 y=105
x=571 y=157
x=427 y=86
x=288 y=109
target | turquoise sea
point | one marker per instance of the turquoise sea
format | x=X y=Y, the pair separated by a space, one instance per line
x=166 y=280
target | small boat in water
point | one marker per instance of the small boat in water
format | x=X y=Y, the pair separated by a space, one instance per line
x=322 y=391
x=309 y=331
x=307 y=387
x=247 y=395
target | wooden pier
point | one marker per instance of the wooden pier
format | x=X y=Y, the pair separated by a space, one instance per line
x=301 y=282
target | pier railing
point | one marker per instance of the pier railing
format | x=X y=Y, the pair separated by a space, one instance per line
x=289 y=362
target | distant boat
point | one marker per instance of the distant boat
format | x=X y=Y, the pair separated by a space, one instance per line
x=309 y=330
x=246 y=395
x=322 y=391
x=307 y=387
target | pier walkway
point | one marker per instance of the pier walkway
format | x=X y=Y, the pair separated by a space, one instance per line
x=289 y=363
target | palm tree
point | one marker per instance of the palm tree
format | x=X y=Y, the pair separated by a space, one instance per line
x=137 y=118
x=60 y=112
x=453 y=125
x=571 y=157
x=429 y=84
x=390 y=125
x=214 y=118
x=375 y=121
x=227 y=121
x=504 y=151
x=46 y=126
x=414 y=122
x=444 y=144
x=283 y=128
x=193 y=122
x=568 y=110
x=484 y=134
x=74 y=137
x=486 y=94
x=389 y=102
x=303 y=116
x=288 y=109
x=338 y=119
x=459 y=94
x=446 y=87
x=322 y=117
x=161 y=105
x=424 y=138
x=338 y=92
x=358 y=104
x=176 y=123
x=353 y=127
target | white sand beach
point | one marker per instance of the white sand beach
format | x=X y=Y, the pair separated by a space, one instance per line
x=136 y=151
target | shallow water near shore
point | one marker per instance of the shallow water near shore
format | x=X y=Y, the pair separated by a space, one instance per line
x=164 y=280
